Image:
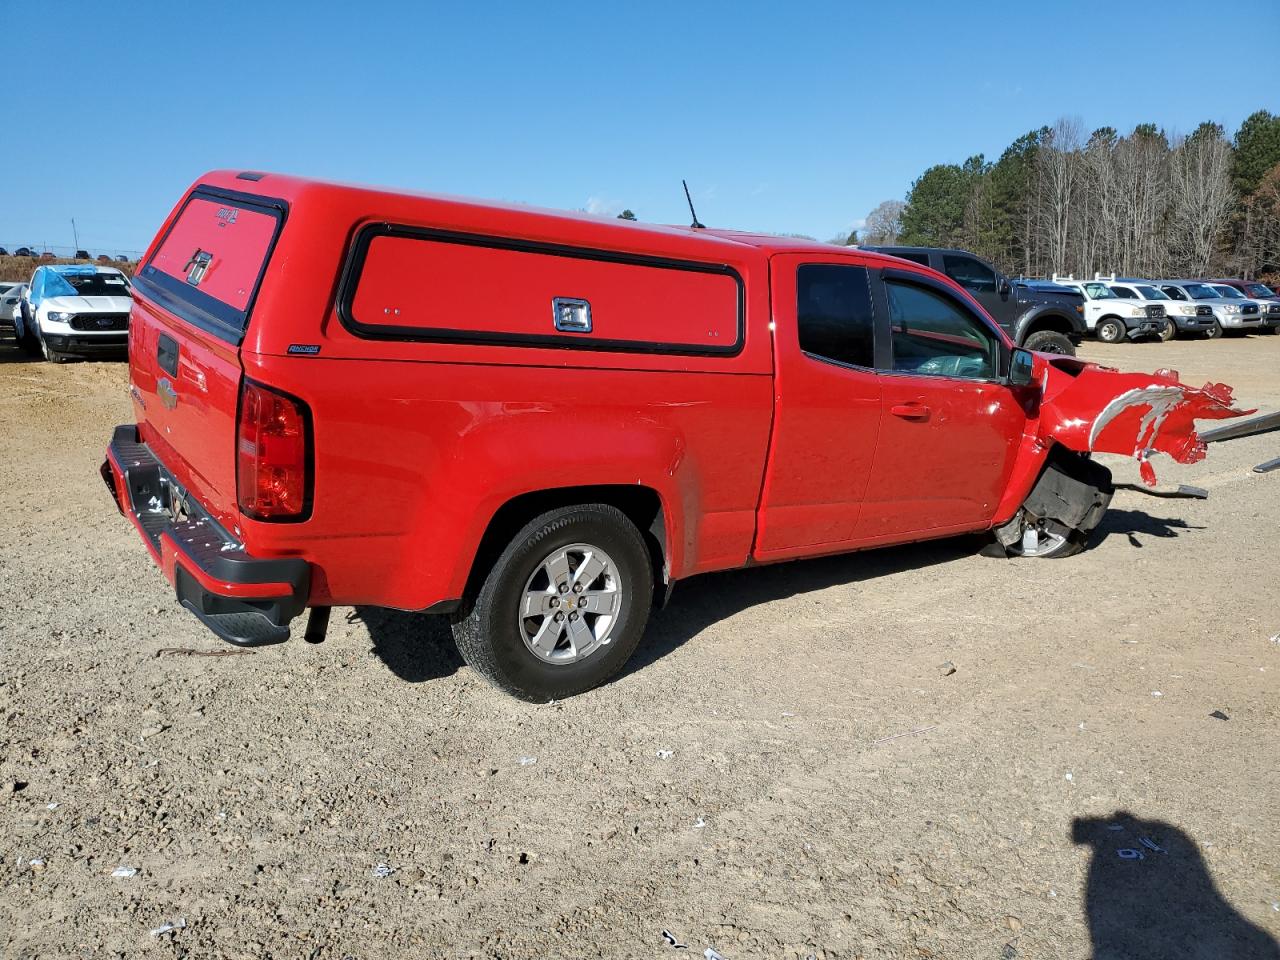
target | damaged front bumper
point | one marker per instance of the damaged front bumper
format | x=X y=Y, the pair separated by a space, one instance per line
x=245 y=600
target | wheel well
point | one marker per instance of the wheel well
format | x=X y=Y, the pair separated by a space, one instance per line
x=641 y=504
x=1049 y=321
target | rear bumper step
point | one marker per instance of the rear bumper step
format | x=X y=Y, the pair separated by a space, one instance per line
x=245 y=600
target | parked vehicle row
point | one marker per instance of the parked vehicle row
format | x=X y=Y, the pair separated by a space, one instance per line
x=37 y=254
x=1209 y=308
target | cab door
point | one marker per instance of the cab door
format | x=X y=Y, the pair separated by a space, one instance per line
x=827 y=409
x=950 y=427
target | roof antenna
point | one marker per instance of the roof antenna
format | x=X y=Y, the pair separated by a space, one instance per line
x=695 y=225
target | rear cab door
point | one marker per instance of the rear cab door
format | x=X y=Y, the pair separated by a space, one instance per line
x=192 y=300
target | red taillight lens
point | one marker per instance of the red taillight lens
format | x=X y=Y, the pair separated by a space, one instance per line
x=271 y=454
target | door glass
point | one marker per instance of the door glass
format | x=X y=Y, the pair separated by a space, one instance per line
x=932 y=334
x=969 y=273
x=833 y=311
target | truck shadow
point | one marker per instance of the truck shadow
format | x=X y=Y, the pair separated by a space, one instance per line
x=417 y=647
x=1149 y=896
x=1132 y=523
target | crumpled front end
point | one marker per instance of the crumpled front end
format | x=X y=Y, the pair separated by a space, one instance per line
x=1092 y=409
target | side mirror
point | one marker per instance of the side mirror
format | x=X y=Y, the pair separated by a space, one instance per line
x=1021 y=368
x=1003 y=287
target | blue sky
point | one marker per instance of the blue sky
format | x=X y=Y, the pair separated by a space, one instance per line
x=786 y=117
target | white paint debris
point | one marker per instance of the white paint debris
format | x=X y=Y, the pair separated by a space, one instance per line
x=664 y=754
x=1069 y=776
x=51 y=806
x=528 y=761
x=1156 y=693
x=699 y=824
x=382 y=871
x=125 y=872
x=170 y=926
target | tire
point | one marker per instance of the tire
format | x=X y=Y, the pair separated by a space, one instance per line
x=51 y=355
x=1050 y=341
x=498 y=642
x=1170 y=332
x=29 y=342
x=1214 y=332
x=1110 y=330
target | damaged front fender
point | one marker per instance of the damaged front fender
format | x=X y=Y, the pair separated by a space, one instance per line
x=1093 y=409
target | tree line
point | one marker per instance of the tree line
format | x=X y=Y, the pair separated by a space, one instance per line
x=1146 y=203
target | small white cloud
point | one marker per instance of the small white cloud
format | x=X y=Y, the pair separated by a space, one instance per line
x=603 y=207
x=859 y=223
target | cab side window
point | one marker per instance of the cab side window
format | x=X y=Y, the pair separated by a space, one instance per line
x=1125 y=292
x=833 y=313
x=969 y=273
x=932 y=334
x=1174 y=293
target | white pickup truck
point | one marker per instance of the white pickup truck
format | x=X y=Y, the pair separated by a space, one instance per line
x=1112 y=318
x=1182 y=317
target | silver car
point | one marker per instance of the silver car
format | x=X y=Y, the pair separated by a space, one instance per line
x=1228 y=314
x=10 y=297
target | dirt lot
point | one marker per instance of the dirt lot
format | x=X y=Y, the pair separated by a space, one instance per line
x=831 y=791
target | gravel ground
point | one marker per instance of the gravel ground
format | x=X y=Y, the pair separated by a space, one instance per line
x=1097 y=777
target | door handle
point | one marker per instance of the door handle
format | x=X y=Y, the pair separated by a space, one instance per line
x=910 y=411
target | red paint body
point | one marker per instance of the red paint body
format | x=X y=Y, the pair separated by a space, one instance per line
x=756 y=451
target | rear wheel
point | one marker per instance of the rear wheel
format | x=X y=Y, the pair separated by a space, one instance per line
x=1050 y=341
x=1110 y=330
x=564 y=606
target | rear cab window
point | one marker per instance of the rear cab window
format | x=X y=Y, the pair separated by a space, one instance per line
x=834 y=315
x=209 y=264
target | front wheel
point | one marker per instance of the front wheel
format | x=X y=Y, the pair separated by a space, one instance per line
x=1169 y=332
x=564 y=606
x=53 y=356
x=1050 y=341
x=1110 y=330
x=1214 y=332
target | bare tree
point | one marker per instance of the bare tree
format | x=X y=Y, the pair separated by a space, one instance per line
x=884 y=223
x=1201 y=197
x=1059 y=173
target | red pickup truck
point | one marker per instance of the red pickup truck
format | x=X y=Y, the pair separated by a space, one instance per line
x=537 y=422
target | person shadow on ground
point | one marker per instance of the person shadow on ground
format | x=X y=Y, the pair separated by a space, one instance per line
x=1150 y=896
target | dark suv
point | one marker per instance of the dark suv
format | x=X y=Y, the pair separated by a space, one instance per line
x=1036 y=314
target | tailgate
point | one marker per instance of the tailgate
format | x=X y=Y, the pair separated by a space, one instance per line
x=192 y=300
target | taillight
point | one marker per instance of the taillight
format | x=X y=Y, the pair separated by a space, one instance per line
x=271 y=454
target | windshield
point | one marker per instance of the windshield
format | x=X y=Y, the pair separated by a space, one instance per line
x=1199 y=291
x=1151 y=293
x=1258 y=290
x=1098 y=291
x=90 y=285
x=1227 y=293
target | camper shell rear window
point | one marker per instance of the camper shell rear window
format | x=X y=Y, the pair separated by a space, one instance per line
x=410 y=283
x=210 y=262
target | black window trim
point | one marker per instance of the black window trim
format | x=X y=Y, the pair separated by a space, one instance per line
x=194 y=306
x=571 y=341
x=884 y=328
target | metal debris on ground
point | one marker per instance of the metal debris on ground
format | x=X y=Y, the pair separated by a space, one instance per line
x=170 y=926
x=909 y=733
x=191 y=652
x=664 y=754
x=51 y=806
x=528 y=761
x=668 y=936
x=1267 y=466
x=1129 y=853
x=946 y=668
x=125 y=872
x=1219 y=715
x=382 y=871
x=1151 y=845
x=712 y=954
